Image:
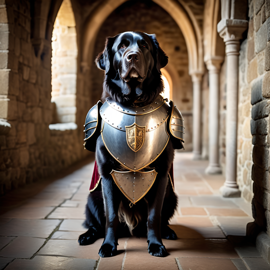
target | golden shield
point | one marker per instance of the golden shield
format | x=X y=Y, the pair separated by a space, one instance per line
x=135 y=137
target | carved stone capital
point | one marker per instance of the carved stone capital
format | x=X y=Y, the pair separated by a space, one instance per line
x=196 y=77
x=213 y=63
x=232 y=29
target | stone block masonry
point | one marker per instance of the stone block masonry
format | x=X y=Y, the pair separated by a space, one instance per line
x=29 y=149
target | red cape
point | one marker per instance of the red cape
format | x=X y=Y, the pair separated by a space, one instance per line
x=96 y=178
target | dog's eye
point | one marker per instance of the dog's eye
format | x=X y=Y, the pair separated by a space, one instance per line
x=123 y=44
x=144 y=44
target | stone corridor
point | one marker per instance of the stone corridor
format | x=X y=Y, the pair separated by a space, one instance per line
x=40 y=224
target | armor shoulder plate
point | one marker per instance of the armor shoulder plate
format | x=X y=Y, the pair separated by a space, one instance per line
x=176 y=127
x=92 y=127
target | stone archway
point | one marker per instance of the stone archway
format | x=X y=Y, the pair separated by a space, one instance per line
x=177 y=12
x=64 y=65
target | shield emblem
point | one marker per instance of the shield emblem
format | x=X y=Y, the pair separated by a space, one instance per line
x=135 y=136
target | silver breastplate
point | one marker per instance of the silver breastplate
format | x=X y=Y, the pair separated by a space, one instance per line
x=135 y=136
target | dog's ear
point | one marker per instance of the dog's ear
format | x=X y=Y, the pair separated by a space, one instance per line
x=161 y=57
x=103 y=60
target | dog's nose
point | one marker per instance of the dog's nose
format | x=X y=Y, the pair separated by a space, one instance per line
x=132 y=56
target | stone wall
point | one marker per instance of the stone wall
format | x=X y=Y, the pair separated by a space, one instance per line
x=30 y=150
x=254 y=88
x=150 y=18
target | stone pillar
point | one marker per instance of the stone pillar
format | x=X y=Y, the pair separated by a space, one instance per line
x=231 y=31
x=213 y=66
x=197 y=133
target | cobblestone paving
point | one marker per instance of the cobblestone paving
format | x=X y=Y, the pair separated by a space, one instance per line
x=40 y=225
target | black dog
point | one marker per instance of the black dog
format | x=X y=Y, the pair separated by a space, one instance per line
x=132 y=63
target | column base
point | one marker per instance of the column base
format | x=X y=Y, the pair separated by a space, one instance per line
x=213 y=169
x=229 y=192
x=196 y=156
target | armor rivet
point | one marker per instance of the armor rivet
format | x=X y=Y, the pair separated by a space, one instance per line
x=108 y=120
x=118 y=158
x=120 y=127
x=134 y=177
x=157 y=124
x=173 y=129
x=142 y=178
x=133 y=191
x=136 y=111
x=148 y=129
x=143 y=109
x=151 y=173
x=127 y=177
x=113 y=123
x=151 y=128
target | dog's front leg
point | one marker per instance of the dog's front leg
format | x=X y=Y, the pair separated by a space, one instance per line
x=111 y=203
x=155 y=203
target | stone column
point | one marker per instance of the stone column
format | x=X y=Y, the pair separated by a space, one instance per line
x=231 y=31
x=213 y=66
x=197 y=133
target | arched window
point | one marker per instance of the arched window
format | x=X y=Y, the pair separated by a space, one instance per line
x=167 y=83
x=64 y=65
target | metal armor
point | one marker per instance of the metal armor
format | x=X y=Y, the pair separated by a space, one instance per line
x=92 y=127
x=135 y=137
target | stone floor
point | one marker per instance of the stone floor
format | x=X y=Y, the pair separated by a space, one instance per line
x=40 y=224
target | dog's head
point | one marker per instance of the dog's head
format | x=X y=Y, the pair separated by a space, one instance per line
x=132 y=63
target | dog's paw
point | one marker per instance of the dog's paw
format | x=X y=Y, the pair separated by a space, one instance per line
x=168 y=233
x=107 y=250
x=89 y=237
x=157 y=250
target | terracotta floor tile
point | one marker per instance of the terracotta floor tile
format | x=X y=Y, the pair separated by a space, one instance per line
x=42 y=203
x=257 y=264
x=184 y=201
x=71 y=248
x=137 y=254
x=204 y=192
x=53 y=196
x=234 y=225
x=22 y=247
x=66 y=235
x=115 y=262
x=194 y=222
x=239 y=264
x=206 y=264
x=28 y=213
x=69 y=203
x=68 y=213
x=186 y=192
x=4 y=262
x=4 y=241
x=226 y=212
x=72 y=225
x=34 y=228
x=52 y=263
x=247 y=250
x=218 y=248
x=183 y=232
x=213 y=201
x=193 y=211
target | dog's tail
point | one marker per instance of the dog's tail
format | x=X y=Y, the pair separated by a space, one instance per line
x=131 y=216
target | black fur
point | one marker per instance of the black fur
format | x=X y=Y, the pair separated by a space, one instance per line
x=160 y=202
